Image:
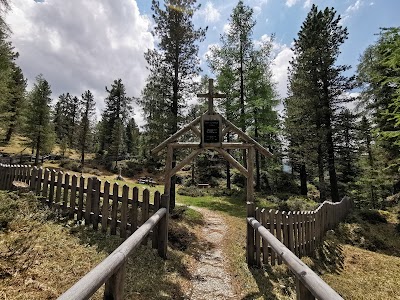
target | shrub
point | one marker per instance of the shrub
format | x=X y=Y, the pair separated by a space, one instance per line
x=192 y=191
x=372 y=216
x=238 y=179
x=298 y=203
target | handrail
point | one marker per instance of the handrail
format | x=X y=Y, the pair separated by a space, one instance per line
x=93 y=280
x=314 y=284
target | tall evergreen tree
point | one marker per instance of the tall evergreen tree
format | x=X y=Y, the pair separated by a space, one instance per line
x=114 y=119
x=88 y=109
x=173 y=65
x=38 y=126
x=321 y=81
x=132 y=138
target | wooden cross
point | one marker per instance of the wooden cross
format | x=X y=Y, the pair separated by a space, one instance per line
x=210 y=95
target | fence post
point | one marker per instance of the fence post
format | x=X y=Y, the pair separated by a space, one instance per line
x=114 y=287
x=250 y=234
x=163 y=228
x=302 y=293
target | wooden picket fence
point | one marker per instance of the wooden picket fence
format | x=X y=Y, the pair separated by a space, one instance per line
x=300 y=231
x=86 y=199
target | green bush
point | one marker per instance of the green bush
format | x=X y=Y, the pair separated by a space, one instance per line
x=192 y=191
x=71 y=165
x=297 y=203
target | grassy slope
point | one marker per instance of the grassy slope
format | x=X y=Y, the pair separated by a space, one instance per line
x=41 y=256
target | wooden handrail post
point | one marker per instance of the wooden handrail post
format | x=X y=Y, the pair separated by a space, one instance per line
x=114 y=287
x=163 y=228
x=302 y=293
x=250 y=235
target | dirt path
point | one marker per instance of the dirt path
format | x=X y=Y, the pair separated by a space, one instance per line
x=210 y=278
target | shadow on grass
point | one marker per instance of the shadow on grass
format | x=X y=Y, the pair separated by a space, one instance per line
x=147 y=275
x=329 y=257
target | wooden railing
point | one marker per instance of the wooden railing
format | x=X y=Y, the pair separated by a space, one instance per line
x=300 y=231
x=309 y=286
x=89 y=201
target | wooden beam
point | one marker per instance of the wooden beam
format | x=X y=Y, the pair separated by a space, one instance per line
x=236 y=146
x=232 y=161
x=175 y=136
x=168 y=167
x=180 y=145
x=226 y=130
x=185 y=161
x=196 y=131
x=248 y=139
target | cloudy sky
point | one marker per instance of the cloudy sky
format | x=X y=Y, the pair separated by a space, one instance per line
x=85 y=44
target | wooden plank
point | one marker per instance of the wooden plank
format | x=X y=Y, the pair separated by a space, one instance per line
x=106 y=207
x=134 y=209
x=59 y=186
x=39 y=181
x=96 y=204
x=45 y=183
x=145 y=210
x=72 y=199
x=285 y=229
x=157 y=199
x=114 y=211
x=250 y=235
x=264 y=218
x=312 y=232
x=168 y=168
x=298 y=234
x=81 y=196
x=303 y=233
x=257 y=239
x=302 y=293
x=52 y=183
x=66 y=192
x=272 y=230
x=278 y=220
x=32 y=182
x=250 y=178
x=124 y=211
x=114 y=286
x=309 y=234
x=88 y=203
x=163 y=227
x=290 y=231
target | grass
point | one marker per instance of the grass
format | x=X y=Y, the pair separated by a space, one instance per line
x=41 y=255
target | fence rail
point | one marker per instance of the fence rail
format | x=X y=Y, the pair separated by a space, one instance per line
x=88 y=200
x=300 y=231
x=99 y=204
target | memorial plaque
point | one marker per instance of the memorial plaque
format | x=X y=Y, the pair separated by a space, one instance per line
x=211 y=131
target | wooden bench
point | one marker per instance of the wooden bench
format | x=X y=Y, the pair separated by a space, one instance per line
x=203 y=185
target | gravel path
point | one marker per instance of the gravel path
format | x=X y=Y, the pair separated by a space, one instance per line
x=210 y=279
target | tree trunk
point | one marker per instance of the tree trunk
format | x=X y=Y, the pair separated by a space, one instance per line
x=242 y=110
x=10 y=131
x=258 y=173
x=321 y=179
x=303 y=180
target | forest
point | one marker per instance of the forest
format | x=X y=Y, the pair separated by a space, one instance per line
x=325 y=141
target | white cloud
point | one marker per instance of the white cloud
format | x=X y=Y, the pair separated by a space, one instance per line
x=280 y=69
x=290 y=3
x=307 y=3
x=226 y=27
x=210 y=13
x=82 y=44
x=351 y=9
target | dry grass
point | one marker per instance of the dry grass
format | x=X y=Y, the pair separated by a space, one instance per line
x=366 y=275
x=41 y=255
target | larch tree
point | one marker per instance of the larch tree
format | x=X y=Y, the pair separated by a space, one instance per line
x=173 y=64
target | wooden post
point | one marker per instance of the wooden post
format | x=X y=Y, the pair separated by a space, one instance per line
x=45 y=184
x=134 y=209
x=124 y=211
x=73 y=197
x=88 y=204
x=39 y=181
x=157 y=198
x=302 y=293
x=114 y=211
x=264 y=216
x=33 y=179
x=58 y=189
x=66 y=190
x=250 y=178
x=272 y=230
x=114 y=287
x=96 y=203
x=80 y=199
x=163 y=228
x=257 y=239
x=278 y=220
x=105 y=208
x=52 y=182
x=250 y=234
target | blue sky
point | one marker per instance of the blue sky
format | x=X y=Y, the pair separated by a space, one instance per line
x=85 y=44
x=363 y=18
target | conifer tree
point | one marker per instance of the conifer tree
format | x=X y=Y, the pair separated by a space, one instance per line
x=173 y=64
x=38 y=126
x=88 y=109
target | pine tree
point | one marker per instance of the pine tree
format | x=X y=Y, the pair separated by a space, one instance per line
x=173 y=65
x=316 y=78
x=114 y=119
x=88 y=109
x=132 y=138
x=38 y=128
